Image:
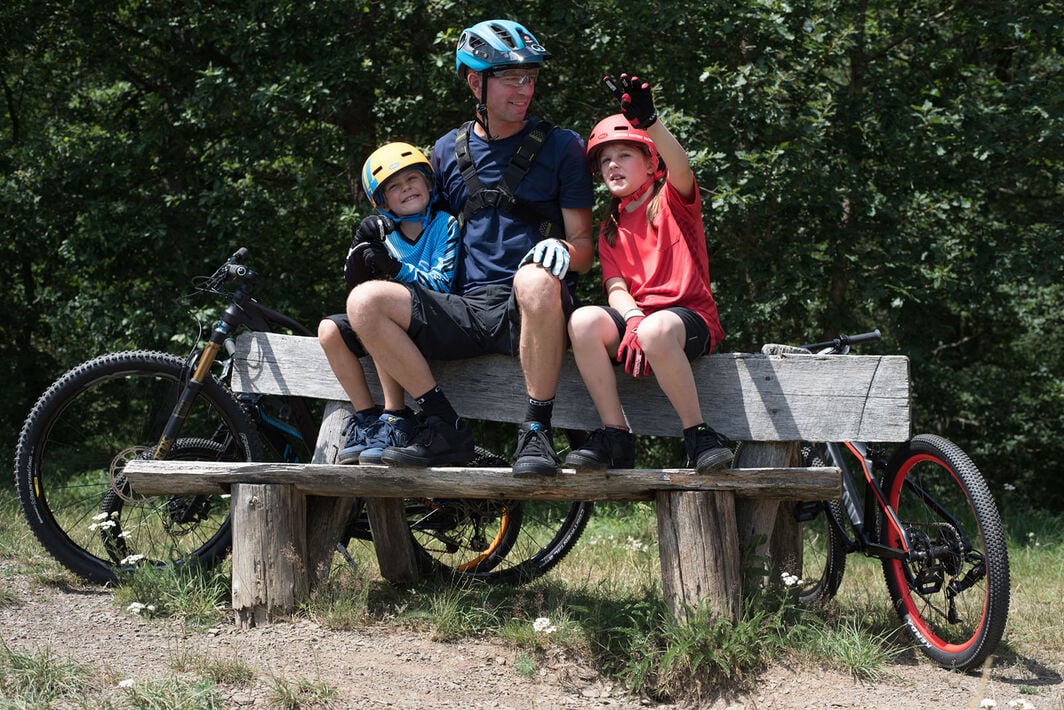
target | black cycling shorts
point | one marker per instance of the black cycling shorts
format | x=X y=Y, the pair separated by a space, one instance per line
x=485 y=321
x=698 y=340
x=348 y=334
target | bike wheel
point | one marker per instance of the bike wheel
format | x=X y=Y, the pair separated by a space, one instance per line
x=952 y=589
x=76 y=441
x=494 y=541
x=823 y=545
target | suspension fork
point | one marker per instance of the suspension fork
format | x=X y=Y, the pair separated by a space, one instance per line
x=223 y=328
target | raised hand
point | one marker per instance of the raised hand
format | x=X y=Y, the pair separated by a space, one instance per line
x=636 y=99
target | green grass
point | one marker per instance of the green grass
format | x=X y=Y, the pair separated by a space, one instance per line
x=602 y=605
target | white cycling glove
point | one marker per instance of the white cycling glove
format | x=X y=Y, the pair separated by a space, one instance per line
x=551 y=254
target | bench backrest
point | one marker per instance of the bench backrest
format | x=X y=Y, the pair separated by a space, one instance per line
x=745 y=397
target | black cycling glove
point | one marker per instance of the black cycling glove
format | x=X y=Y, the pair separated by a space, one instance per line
x=373 y=229
x=636 y=97
x=380 y=261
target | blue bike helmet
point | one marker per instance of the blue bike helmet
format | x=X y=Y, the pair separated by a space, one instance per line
x=497 y=44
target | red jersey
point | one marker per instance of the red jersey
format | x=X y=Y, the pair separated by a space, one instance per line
x=664 y=263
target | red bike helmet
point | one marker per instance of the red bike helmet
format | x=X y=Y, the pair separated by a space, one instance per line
x=616 y=128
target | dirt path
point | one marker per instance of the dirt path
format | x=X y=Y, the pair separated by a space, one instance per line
x=388 y=667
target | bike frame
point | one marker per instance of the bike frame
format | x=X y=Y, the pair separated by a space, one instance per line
x=873 y=502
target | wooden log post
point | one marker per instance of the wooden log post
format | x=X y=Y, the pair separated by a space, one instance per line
x=269 y=552
x=699 y=548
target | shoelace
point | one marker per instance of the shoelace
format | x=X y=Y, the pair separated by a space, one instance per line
x=353 y=432
x=534 y=442
x=381 y=432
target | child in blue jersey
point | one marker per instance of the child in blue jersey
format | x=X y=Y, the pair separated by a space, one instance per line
x=406 y=242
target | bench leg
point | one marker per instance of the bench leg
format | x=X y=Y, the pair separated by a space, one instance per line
x=396 y=556
x=699 y=547
x=269 y=552
x=768 y=552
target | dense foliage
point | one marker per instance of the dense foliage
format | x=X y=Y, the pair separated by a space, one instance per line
x=862 y=164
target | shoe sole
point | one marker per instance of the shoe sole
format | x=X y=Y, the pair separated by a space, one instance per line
x=395 y=458
x=371 y=459
x=717 y=460
x=536 y=468
x=349 y=459
x=574 y=460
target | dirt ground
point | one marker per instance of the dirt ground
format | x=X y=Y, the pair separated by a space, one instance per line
x=388 y=667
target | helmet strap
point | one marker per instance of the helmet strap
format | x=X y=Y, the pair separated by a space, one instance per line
x=481 y=110
x=635 y=196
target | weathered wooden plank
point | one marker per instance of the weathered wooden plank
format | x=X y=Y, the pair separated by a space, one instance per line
x=747 y=397
x=211 y=477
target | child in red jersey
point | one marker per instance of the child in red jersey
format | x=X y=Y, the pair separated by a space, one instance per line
x=655 y=273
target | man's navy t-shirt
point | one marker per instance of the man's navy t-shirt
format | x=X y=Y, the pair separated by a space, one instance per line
x=494 y=241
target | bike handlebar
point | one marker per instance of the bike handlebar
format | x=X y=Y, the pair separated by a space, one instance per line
x=844 y=341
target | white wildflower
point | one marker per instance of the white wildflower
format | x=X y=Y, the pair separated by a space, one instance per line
x=131 y=559
x=136 y=608
x=789 y=579
x=127 y=683
x=542 y=625
x=635 y=545
x=104 y=524
x=1009 y=487
x=101 y=516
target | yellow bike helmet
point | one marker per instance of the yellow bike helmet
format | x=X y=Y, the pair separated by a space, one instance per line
x=388 y=160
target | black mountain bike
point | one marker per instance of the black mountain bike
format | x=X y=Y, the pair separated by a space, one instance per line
x=141 y=404
x=926 y=513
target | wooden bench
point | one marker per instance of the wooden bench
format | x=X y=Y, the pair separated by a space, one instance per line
x=287 y=517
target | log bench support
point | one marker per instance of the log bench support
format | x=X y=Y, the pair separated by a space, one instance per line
x=718 y=534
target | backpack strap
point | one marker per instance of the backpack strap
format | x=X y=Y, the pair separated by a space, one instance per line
x=503 y=196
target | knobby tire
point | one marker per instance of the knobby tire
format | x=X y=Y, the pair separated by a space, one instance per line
x=953 y=590
x=74 y=444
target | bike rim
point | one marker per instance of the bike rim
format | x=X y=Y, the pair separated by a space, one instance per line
x=914 y=612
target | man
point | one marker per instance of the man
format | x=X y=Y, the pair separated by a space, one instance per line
x=526 y=222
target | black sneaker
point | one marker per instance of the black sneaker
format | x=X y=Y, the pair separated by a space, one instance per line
x=706 y=449
x=535 y=451
x=606 y=448
x=434 y=442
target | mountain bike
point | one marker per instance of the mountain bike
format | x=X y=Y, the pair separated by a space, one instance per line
x=140 y=404
x=926 y=513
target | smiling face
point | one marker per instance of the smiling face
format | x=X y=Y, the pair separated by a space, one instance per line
x=625 y=167
x=509 y=96
x=406 y=193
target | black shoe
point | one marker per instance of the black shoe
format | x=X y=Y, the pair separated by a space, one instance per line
x=606 y=448
x=535 y=451
x=434 y=442
x=706 y=449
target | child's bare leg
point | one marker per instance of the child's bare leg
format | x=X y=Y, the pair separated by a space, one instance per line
x=662 y=336
x=394 y=396
x=594 y=338
x=345 y=365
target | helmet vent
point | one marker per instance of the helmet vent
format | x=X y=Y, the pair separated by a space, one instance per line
x=504 y=36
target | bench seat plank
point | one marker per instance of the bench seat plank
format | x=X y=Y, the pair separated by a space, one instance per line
x=744 y=396
x=206 y=477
